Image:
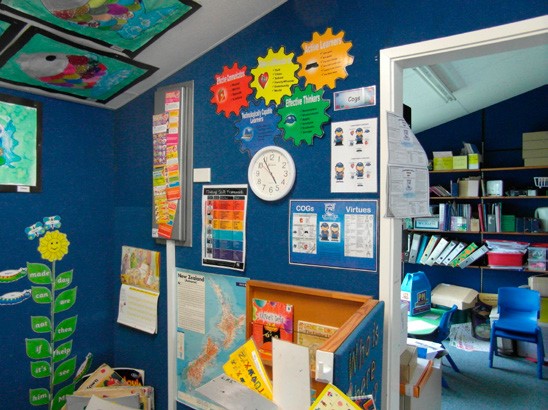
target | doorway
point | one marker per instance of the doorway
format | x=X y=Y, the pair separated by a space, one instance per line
x=393 y=61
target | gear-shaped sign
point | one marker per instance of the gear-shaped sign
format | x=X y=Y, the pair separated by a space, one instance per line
x=231 y=90
x=325 y=59
x=258 y=127
x=274 y=76
x=303 y=115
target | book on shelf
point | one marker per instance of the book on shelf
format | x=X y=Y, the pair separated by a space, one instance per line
x=313 y=335
x=406 y=246
x=458 y=249
x=446 y=251
x=439 y=190
x=271 y=319
x=474 y=256
x=415 y=243
x=422 y=247
x=436 y=252
x=429 y=248
x=463 y=255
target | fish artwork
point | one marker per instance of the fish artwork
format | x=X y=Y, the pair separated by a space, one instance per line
x=128 y=18
x=8 y=142
x=63 y=70
x=14 y=298
x=12 y=275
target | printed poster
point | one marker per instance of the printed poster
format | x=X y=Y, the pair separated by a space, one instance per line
x=334 y=234
x=354 y=156
x=210 y=327
x=223 y=226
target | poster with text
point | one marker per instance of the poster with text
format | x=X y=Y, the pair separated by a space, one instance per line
x=333 y=234
x=223 y=226
x=354 y=156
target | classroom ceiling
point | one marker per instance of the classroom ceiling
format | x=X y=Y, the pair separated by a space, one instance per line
x=211 y=24
x=474 y=83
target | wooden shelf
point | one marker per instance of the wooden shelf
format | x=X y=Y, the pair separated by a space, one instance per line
x=487 y=198
x=458 y=171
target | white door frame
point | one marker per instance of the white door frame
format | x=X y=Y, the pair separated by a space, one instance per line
x=507 y=37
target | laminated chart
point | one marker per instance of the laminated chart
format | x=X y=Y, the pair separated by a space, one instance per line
x=223 y=230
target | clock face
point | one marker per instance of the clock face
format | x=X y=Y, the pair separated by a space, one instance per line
x=271 y=173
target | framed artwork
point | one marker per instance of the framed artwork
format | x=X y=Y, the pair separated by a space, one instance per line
x=9 y=27
x=124 y=25
x=20 y=144
x=42 y=60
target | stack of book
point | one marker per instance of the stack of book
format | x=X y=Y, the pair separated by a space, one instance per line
x=437 y=250
x=535 y=148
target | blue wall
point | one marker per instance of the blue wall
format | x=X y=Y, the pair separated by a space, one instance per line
x=97 y=176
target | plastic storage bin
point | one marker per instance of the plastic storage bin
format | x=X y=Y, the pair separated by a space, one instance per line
x=505 y=259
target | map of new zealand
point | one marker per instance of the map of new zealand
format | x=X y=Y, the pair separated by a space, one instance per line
x=210 y=326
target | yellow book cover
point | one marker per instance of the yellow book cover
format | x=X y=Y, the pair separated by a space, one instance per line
x=246 y=367
x=333 y=398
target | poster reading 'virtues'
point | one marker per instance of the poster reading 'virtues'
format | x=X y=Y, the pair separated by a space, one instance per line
x=223 y=229
x=333 y=234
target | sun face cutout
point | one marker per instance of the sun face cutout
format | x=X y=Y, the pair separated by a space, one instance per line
x=53 y=246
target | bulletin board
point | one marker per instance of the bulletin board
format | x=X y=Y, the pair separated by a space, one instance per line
x=173 y=164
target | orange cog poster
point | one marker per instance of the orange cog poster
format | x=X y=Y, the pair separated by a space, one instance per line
x=231 y=90
x=325 y=59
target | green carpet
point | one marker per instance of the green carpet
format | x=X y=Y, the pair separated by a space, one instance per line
x=510 y=384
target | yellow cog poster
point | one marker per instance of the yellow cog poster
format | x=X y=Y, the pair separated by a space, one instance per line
x=325 y=59
x=274 y=76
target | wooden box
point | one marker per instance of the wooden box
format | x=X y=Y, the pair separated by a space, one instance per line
x=352 y=357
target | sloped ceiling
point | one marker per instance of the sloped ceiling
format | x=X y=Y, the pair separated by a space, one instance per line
x=476 y=83
x=214 y=22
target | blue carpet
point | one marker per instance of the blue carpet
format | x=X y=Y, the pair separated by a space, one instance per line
x=510 y=384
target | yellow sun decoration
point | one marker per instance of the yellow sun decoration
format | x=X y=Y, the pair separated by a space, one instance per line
x=53 y=246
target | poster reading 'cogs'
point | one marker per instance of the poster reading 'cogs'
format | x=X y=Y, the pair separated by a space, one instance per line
x=258 y=127
x=231 y=90
x=325 y=59
x=303 y=115
x=274 y=76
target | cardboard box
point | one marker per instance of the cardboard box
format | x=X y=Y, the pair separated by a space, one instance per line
x=535 y=162
x=473 y=161
x=469 y=187
x=534 y=136
x=408 y=363
x=460 y=162
x=443 y=163
x=536 y=144
x=526 y=349
x=540 y=283
x=449 y=295
x=534 y=153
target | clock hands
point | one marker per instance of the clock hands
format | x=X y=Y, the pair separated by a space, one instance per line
x=269 y=171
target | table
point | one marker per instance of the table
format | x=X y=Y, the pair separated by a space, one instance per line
x=424 y=323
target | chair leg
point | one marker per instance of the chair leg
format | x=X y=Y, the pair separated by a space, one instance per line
x=540 y=354
x=492 y=345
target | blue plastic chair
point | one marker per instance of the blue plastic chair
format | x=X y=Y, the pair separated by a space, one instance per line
x=518 y=313
x=442 y=333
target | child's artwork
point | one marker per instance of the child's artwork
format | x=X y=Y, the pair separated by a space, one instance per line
x=42 y=60
x=125 y=25
x=271 y=319
x=140 y=267
x=20 y=144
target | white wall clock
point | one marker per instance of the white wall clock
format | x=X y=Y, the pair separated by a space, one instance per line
x=271 y=173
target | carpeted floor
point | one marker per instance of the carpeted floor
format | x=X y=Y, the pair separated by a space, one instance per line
x=511 y=384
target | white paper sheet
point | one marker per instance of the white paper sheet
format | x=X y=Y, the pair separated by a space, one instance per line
x=138 y=308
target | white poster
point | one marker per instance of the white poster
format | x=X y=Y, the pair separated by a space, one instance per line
x=354 y=156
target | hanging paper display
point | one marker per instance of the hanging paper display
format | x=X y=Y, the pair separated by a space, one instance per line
x=126 y=25
x=231 y=90
x=274 y=76
x=258 y=127
x=325 y=58
x=42 y=60
x=354 y=156
x=303 y=115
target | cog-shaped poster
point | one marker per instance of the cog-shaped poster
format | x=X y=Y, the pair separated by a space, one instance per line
x=303 y=115
x=231 y=90
x=274 y=76
x=258 y=127
x=325 y=59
